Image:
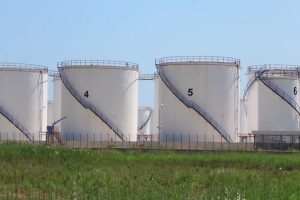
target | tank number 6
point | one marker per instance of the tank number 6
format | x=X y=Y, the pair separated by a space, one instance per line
x=190 y=92
x=86 y=94
x=295 y=91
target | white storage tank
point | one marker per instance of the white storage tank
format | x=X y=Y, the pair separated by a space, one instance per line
x=50 y=113
x=273 y=99
x=198 y=96
x=99 y=98
x=144 y=122
x=23 y=101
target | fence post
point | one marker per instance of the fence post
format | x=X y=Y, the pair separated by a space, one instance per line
x=129 y=140
x=94 y=141
x=80 y=140
x=73 y=140
x=166 y=141
x=66 y=137
x=101 y=141
x=181 y=141
x=204 y=141
x=221 y=142
x=158 y=140
x=173 y=141
x=151 y=138
x=189 y=142
x=87 y=140
x=213 y=142
x=197 y=142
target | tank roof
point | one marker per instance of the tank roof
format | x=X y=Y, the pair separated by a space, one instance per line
x=22 y=66
x=98 y=63
x=197 y=60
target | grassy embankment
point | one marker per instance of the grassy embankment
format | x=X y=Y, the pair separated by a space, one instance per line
x=60 y=173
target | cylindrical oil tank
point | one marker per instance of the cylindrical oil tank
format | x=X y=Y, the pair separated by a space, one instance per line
x=99 y=100
x=23 y=101
x=198 y=98
x=273 y=99
x=144 y=121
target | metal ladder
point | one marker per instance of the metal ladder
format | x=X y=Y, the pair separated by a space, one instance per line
x=282 y=94
x=190 y=104
x=146 y=121
x=91 y=107
x=16 y=123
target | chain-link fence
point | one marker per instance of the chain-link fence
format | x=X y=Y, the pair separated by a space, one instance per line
x=171 y=142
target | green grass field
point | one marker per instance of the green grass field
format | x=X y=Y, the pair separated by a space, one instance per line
x=43 y=172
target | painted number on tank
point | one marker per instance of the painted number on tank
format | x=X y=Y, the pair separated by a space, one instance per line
x=295 y=91
x=190 y=92
x=86 y=94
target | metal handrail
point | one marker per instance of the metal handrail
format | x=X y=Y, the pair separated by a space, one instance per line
x=146 y=121
x=256 y=76
x=22 y=66
x=273 y=67
x=102 y=63
x=277 y=90
x=197 y=59
x=90 y=106
x=16 y=123
x=190 y=104
x=146 y=77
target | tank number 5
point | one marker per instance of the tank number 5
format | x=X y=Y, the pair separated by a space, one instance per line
x=190 y=92
x=295 y=91
x=86 y=94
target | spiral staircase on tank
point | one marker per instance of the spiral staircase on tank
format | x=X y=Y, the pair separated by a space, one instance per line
x=90 y=106
x=259 y=75
x=16 y=123
x=190 y=104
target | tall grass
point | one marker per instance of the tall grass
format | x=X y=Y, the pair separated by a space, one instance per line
x=58 y=173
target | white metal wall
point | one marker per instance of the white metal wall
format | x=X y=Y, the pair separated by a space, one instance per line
x=143 y=114
x=213 y=86
x=114 y=91
x=23 y=93
x=266 y=111
x=57 y=90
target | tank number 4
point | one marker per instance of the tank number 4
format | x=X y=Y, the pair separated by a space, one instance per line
x=190 y=92
x=86 y=94
x=295 y=91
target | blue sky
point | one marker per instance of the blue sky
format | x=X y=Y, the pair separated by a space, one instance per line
x=45 y=32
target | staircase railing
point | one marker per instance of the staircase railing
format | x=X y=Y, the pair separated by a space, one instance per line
x=58 y=138
x=190 y=104
x=91 y=107
x=280 y=93
x=146 y=121
x=16 y=123
x=256 y=76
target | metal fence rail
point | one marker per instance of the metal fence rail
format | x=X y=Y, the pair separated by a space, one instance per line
x=200 y=142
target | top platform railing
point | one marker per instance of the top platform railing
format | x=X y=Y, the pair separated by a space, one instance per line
x=197 y=59
x=6 y=65
x=276 y=70
x=273 y=67
x=102 y=63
